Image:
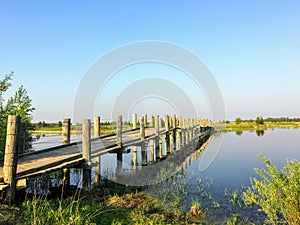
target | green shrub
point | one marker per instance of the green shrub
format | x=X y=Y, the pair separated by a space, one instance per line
x=277 y=193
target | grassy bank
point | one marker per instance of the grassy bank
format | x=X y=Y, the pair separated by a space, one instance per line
x=252 y=126
x=276 y=194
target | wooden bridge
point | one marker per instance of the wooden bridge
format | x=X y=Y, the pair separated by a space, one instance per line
x=164 y=139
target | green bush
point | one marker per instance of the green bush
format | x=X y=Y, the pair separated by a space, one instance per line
x=277 y=193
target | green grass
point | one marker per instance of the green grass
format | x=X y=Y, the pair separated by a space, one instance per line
x=252 y=126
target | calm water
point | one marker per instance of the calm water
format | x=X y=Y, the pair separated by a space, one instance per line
x=229 y=171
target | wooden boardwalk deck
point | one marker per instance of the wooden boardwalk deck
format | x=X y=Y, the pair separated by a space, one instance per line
x=59 y=157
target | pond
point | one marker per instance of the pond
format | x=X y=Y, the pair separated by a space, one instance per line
x=231 y=169
x=216 y=186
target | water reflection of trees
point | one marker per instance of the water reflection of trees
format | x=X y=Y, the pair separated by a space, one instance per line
x=260 y=133
x=238 y=132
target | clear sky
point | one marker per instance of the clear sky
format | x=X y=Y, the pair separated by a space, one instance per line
x=251 y=47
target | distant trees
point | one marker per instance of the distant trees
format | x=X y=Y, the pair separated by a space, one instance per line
x=19 y=104
x=238 y=120
x=259 y=120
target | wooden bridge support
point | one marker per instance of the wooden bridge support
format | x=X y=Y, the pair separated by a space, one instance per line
x=97 y=126
x=119 y=163
x=134 y=157
x=97 y=176
x=156 y=139
x=66 y=130
x=11 y=155
x=86 y=177
x=143 y=144
x=167 y=139
x=152 y=143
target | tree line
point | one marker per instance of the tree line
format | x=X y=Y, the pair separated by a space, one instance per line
x=261 y=120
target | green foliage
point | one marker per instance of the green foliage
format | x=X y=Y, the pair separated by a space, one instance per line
x=238 y=120
x=277 y=193
x=19 y=104
x=259 y=120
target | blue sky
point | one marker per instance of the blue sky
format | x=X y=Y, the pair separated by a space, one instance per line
x=251 y=47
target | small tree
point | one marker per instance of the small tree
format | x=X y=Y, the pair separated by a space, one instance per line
x=277 y=192
x=238 y=120
x=259 y=120
x=19 y=104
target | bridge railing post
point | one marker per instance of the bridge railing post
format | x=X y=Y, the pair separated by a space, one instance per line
x=11 y=155
x=86 y=153
x=97 y=126
x=145 y=120
x=66 y=130
x=86 y=139
x=134 y=117
x=152 y=121
x=119 y=131
x=167 y=139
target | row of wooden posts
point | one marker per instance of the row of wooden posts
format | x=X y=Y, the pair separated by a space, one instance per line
x=173 y=140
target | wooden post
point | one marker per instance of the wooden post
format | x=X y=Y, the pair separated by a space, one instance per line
x=134 y=157
x=86 y=178
x=143 y=147
x=11 y=156
x=119 y=131
x=134 y=117
x=97 y=126
x=156 y=125
x=174 y=121
x=86 y=139
x=119 y=163
x=142 y=128
x=145 y=120
x=167 y=140
x=151 y=151
x=97 y=177
x=160 y=148
x=151 y=121
x=22 y=138
x=66 y=130
x=144 y=154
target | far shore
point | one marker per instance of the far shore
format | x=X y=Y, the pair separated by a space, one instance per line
x=252 y=126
